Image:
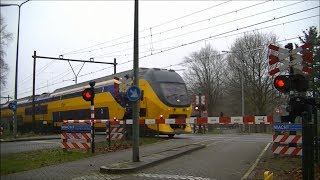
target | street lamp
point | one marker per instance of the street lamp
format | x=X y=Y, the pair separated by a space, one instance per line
x=242 y=87
x=17 y=60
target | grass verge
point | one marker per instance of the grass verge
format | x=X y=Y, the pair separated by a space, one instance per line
x=18 y=162
x=283 y=167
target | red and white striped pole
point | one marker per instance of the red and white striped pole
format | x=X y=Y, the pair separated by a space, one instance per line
x=92 y=83
x=92 y=125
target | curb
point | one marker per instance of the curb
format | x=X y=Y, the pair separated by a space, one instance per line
x=147 y=161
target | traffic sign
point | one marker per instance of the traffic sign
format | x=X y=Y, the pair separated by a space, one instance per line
x=133 y=93
x=287 y=127
x=76 y=127
x=203 y=99
x=13 y=106
x=296 y=59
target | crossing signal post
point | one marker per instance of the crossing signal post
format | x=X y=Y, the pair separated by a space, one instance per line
x=88 y=95
x=298 y=105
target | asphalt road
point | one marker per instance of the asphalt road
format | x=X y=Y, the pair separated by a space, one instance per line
x=225 y=157
x=24 y=146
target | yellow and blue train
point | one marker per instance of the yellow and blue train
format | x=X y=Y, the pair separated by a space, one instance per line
x=164 y=94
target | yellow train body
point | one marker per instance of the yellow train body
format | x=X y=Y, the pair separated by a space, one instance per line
x=158 y=100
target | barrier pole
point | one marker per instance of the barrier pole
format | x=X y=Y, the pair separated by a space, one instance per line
x=109 y=134
x=92 y=126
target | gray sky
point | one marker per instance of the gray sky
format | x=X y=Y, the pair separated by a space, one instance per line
x=53 y=28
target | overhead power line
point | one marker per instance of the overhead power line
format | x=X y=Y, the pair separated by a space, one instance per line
x=161 y=24
x=194 y=31
x=210 y=37
x=181 y=63
x=179 y=27
x=109 y=54
x=280 y=24
x=175 y=47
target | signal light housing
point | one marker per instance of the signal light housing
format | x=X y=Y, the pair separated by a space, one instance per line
x=282 y=83
x=196 y=108
x=88 y=94
x=285 y=83
x=300 y=83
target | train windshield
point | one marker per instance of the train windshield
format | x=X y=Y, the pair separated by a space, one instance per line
x=175 y=93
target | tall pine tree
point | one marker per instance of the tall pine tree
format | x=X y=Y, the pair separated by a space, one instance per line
x=312 y=36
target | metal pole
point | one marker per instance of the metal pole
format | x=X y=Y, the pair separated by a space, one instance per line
x=307 y=145
x=135 y=106
x=114 y=66
x=15 y=124
x=291 y=115
x=109 y=133
x=92 y=125
x=34 y=89
x=242 y=99
x=199 y=115
x=242 y=93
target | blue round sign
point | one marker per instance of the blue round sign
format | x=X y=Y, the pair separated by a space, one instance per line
x=13 y=106
x=133 y=93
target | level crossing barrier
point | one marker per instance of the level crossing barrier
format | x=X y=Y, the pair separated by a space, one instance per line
x=76 y=135
x=191 y=120
x=208 y=120
x=115 y=130
x=282 y=140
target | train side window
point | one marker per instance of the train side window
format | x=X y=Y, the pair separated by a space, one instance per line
x=143 y=112
x=142 y=93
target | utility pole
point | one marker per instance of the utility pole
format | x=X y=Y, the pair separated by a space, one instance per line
x=135 y=105
x=15 y=124
x=34 y=89
x=115 y=66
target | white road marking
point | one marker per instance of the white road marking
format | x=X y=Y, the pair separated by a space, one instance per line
x=255 y=163
x=44 y=142
x=168 y=176
x=98 y=176
x=142 y=175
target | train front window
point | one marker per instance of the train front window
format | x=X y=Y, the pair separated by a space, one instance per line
x=175 y=94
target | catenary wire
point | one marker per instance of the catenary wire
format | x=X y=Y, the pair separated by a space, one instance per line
x=170 y=21
x=181 y=63
x=193 y=31
x=217 y=35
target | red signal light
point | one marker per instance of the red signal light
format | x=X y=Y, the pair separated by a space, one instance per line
x=88 y=94
x=279 y=83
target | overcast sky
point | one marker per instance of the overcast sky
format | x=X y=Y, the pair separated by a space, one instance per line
x=54 y=28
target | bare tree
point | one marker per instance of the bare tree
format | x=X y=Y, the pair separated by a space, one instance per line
x=204 y=75
x=249 y=59
x=5 y=38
